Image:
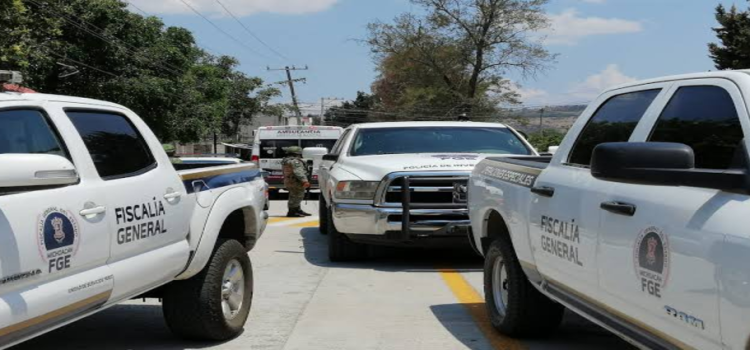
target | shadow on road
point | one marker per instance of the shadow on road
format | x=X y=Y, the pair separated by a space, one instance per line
x=575 y=332
x=461 y=259
x=122 y=327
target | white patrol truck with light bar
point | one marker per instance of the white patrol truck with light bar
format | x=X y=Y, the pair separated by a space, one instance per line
x=639 y=222
x=271 y=142
x=93 y=213
x=404 y=184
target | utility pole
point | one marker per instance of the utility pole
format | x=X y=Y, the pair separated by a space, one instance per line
x=290 y=82
x=323 y=107
x=541 y=116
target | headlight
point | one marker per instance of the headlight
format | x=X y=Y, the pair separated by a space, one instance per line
x=356 y=189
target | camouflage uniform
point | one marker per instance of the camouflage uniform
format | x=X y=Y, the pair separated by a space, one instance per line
x=295 y=176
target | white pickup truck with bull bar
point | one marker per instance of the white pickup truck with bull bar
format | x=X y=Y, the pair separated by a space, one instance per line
x=404 y=183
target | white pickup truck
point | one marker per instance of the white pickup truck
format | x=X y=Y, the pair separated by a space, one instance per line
x=93 y=213
x=404 y=183
x=638 y=222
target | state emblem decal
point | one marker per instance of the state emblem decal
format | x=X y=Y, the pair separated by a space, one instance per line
x=58 y=238
x=651 y=260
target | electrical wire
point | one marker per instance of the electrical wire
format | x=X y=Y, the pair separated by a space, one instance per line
x=230 y=36
x=251 y=32
x=111 y=41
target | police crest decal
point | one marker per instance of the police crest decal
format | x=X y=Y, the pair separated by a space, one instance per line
x=58 y=238
x=651 y=261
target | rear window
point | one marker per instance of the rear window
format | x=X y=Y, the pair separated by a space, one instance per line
x=328 y=144
x=437 y=140
x=274 y=149
x=28 y=131
x=115 y=145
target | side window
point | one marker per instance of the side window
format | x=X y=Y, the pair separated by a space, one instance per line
x=704 y=118
x=340 y=143
x=28 y=131
x=614 y=121
x=116 y=147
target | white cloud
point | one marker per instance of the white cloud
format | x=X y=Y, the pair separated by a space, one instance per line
x=567 y=28
x=240 y=8
x=579 y=92
x=595 y=84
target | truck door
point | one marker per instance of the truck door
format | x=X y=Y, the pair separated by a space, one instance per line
x=659 y=262
x=324 y=172
x=148 y=210
x=54 y=242
x=564 y=219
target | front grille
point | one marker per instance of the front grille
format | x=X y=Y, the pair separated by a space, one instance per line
x=428 y=190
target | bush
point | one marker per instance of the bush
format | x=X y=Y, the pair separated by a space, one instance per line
x=542 y=140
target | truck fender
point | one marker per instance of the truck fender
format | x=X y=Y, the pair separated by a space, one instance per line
x=494 y=225
x=234 y=200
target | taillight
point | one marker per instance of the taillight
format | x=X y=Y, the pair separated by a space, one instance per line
x=255 y=159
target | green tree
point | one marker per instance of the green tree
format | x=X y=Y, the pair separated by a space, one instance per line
x=733 y=32
x=542 y=140
x=249 y=97
x=353 y=112
x=99 y=49
x=458 y=51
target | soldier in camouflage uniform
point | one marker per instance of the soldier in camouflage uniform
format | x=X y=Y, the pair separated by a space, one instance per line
x=295 y=181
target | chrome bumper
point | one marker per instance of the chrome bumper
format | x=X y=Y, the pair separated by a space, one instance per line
x=369 y=220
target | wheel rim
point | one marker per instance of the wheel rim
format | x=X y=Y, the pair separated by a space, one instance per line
x=232 y=290
x=500 y=285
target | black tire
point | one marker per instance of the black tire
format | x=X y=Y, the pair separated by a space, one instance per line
x=323 y=215
x=340 y=247
x=528 y=312
x=193 y=308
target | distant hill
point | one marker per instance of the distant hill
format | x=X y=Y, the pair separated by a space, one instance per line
x=555 y=117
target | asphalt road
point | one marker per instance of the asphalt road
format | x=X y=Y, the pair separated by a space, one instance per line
x=400 y=299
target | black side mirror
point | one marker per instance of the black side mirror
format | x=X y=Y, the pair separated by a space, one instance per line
x=331 y=157
x=660 y=163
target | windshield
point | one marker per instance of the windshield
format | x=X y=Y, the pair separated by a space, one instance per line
x=274 y=149
x=437 y=140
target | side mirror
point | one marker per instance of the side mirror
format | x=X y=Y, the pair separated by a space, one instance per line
x=314 y=152
x=331 y=157
x=32 y=170
x=660 y=163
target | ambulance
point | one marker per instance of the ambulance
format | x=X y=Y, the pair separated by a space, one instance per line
x=269 y=148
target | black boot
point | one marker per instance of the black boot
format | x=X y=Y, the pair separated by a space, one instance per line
x=303 y=213
x=294 y=213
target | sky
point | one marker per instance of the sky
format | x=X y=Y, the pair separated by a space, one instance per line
x=599 y=43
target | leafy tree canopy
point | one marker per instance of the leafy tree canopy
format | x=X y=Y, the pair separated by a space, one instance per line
x=453 y=54
x=733 y=32
x=99 y=49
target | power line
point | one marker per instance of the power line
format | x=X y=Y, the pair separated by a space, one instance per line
x=223 y=31
x=251 y=32
x=85 y=65
x=137 y=8
x=108 y=40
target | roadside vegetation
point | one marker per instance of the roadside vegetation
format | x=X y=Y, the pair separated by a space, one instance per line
x=99 y=49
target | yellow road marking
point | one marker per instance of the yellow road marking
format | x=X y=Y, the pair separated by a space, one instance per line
x=274 y=220
x=307 y=224
x=474 y=304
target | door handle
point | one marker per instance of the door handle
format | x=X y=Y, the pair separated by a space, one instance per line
x=93 y=211
x=172 y=195
x=543 y=191
x=621 y=208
